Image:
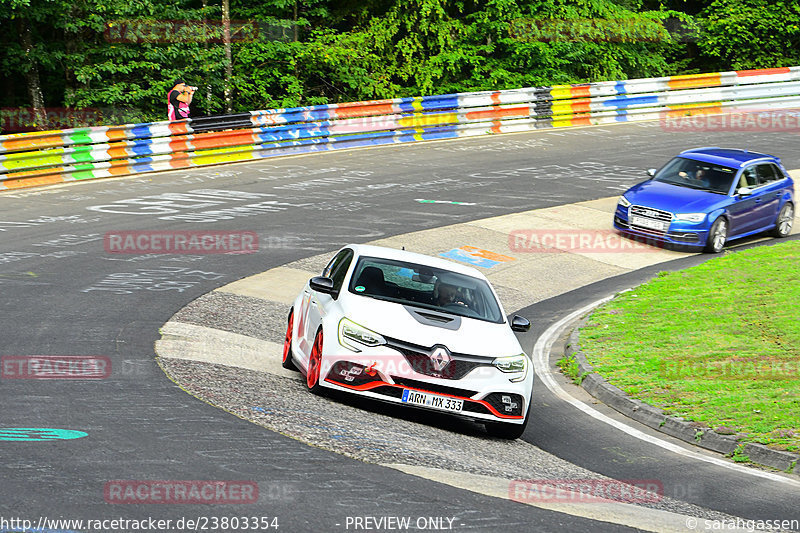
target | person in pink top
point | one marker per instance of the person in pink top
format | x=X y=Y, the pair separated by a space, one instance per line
x=178 y=100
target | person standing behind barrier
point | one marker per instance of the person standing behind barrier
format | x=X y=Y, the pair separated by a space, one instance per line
x=178 y=100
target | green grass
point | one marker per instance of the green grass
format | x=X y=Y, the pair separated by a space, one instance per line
x=717 y=344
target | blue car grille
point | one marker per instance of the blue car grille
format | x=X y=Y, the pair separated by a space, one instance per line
x=650 y=220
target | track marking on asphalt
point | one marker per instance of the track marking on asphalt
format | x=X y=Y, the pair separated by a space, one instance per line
x=541 y=354
x=215 y=346
x=625 y=514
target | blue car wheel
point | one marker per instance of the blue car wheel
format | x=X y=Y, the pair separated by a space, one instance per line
x=783 y=224
x=717 y=236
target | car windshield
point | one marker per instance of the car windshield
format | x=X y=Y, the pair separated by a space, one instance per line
x=693 y=174
x=426 y=287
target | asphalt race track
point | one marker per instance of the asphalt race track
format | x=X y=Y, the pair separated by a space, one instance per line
x=63 y=294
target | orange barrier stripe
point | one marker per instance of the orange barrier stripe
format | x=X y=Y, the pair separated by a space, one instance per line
x=116 y=134
x=178 y=127
x=21 y=183
x=580 y=91
x=694 y=81
x=179 y=145
x=581 y=106
x=365 y=103
x=117 y=152
x=181 y=160
x=763 y=71
x=43 y=142
x=120 y=169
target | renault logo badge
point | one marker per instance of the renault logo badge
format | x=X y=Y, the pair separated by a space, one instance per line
x=440 y=358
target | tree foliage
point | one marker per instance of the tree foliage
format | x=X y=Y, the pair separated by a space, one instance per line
x=124 y=56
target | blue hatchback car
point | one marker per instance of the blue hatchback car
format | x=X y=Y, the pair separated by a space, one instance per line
x=707 y=196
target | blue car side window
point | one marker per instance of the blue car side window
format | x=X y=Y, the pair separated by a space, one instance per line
x=750 y=177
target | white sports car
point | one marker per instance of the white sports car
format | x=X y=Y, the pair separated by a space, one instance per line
x=412 y=330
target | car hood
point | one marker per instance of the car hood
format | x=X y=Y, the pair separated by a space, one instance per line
x=673 y=198
x=475 y=337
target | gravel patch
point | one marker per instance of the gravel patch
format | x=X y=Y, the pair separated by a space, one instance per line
x=253 y=317
x=379 y=433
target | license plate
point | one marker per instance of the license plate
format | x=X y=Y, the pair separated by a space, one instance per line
x=432 y=400
x=649 y=223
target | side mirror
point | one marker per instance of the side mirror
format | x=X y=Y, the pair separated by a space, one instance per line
x=651 y=172
x=744 y=191
x=520 y=323
x=321 y=284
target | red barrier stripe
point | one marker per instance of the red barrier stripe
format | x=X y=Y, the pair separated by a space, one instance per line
x=762 y=71
x=499 y=113
x=377 y=109
x=216 y=140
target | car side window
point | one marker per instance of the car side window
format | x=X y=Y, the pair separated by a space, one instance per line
x=767 y=173
x=337 y=259
x=338 y=273
x=749 y=178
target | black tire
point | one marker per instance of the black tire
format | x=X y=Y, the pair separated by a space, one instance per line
x=784 y=220
x=717 y=236
x=287 y=362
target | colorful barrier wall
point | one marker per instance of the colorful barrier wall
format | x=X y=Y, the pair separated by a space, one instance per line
x=40 y=158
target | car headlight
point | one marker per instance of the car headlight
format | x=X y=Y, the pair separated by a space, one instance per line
x=517 y=364
x=351 y=335
x=624 y=202
x=690 y=217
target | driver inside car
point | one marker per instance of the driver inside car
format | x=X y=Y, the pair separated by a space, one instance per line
x=445 y=293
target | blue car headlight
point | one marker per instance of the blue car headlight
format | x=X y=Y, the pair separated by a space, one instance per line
x=351 y=335
x=690 y=217
x=623 y=202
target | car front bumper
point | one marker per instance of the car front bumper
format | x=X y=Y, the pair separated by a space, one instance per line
x=679 y=233
x=485 y=392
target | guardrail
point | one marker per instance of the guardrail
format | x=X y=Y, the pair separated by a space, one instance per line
x=42 y=158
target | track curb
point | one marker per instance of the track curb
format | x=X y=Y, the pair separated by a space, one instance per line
x=692 y=432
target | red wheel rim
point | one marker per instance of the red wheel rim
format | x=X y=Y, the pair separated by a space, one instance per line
x=312 y=377
x=287 y=343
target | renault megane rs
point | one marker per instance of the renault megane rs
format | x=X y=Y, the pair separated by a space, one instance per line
x=413 y=330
